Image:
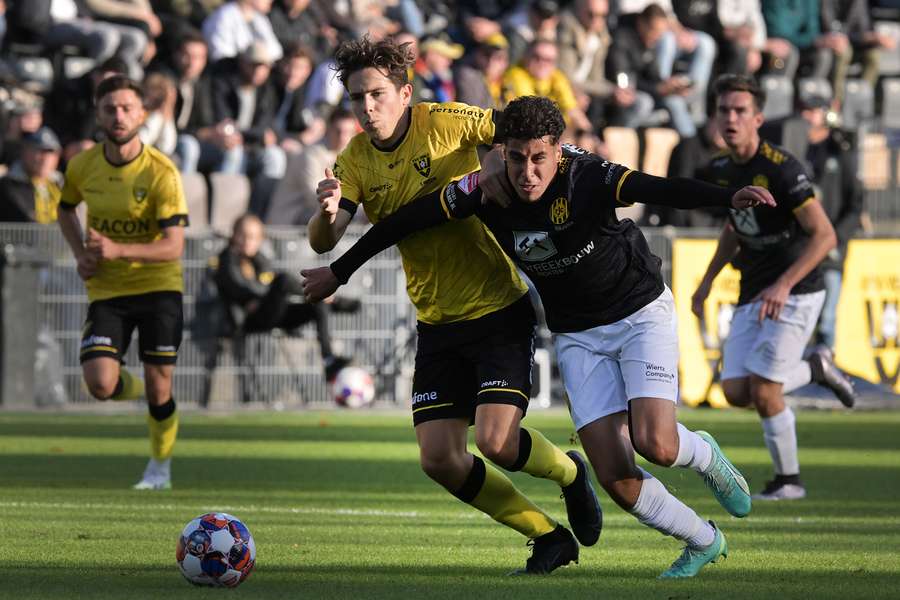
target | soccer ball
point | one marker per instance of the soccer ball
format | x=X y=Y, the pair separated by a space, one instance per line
x=353 y=388
x=216 y=549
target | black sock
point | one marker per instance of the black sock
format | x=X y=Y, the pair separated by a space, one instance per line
x=163 y=411
x=524 y=450
x=473 y=483
x=788 y=479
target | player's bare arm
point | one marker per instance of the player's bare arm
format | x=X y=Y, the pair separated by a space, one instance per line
x=71 y=229
x=725 y=251
x=822 y=239
x=168 y=248
x=327 y=226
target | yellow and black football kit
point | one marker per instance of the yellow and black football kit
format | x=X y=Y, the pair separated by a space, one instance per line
x=457 y=277
x=130 y=204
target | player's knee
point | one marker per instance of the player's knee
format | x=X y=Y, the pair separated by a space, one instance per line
x=101 y=389
x=655 y=446
x=737 y=392
x=443 y=469
x=498 y=449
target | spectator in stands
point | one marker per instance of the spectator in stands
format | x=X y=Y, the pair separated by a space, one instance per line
x=690 y=158
x=583 y=42
x=70 y=110
x=72 y=23
x=159 y=128
x=434 y=69
x=540 y=21
x=31 y=190
x=294 y=200
x=798 y=23
x=479 y=76
x=632 y=60
x=131 y=13
x=744 y=33
x=25 y=119
x=295 y=124
x=538 y=75
x=245 y=103
x=260 y=300
x=832 y=159
x=479 y=19
x=235 y=25
x=691 y=38
x=866 y=43
x=304 y=22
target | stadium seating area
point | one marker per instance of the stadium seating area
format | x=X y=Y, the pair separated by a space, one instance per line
x=53 y=52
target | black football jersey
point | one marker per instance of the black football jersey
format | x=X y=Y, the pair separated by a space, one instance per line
x=771 y=238
x=589 y=267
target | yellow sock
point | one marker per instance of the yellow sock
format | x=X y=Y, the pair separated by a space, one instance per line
x=162 y=436
x=544 y=459
x=132 y=387
x=491 y=492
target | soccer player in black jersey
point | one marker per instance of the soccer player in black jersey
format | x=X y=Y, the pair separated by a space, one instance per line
x=605 y=301
x=475 y=322
x=778 y=251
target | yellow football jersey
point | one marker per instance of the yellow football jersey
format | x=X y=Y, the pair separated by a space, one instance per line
x=454 y=272
x=129 y=204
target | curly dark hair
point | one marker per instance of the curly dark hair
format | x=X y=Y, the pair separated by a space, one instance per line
x=393 y=59
x=730 y=82
x=531 y=118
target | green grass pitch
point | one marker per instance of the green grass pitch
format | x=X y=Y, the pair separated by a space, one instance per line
x=339 y=509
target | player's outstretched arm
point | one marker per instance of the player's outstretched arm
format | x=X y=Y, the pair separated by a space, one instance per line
x=682 y=192
x=452 y=202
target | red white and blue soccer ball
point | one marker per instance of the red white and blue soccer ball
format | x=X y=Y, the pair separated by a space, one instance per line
x=353 y=388
x=216 y=549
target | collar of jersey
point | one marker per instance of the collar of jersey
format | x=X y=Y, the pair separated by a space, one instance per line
x=396 y=144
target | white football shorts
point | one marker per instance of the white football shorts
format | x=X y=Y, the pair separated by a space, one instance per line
x=605 y=367
x=770 y=349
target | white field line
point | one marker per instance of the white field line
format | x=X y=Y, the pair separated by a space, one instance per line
x=395 y=514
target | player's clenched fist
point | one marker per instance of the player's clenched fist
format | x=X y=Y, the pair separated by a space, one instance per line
x=319 y=284
x=328 y=193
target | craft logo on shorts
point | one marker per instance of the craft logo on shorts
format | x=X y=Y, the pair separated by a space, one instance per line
x=559 y=211
x=422 y=165
x=761 y=181
x=883 y=320
x=140 y=194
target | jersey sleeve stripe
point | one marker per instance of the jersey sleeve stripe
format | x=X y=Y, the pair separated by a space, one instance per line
x=619 y=187
x=174 y=221
x=804 y=203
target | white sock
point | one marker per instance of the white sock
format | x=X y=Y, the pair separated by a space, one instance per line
x=780 y=434
x=798 y=377
x=693 y=451
x=660 y=510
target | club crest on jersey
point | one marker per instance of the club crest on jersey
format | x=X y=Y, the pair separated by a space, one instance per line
x=761 y=181
x=534 y=246
x=422 y=165
x=559 y=211
x=140 y=194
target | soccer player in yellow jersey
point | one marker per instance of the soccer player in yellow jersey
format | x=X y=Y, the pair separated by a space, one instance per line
x=130 y=262
x=475 y=322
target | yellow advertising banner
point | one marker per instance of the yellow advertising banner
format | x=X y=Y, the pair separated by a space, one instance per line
x=868 y=340
x=700 y=341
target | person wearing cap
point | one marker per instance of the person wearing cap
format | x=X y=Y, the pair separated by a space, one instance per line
x=479 y=76
x=832 y=159
x=31 y=189
x=433 y=69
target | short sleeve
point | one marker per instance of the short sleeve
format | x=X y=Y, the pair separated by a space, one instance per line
x=459 y=124
x=171 y=205
x=71 y=195
x=796 y=186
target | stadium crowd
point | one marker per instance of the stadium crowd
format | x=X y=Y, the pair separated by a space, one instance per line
x=247 y=86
